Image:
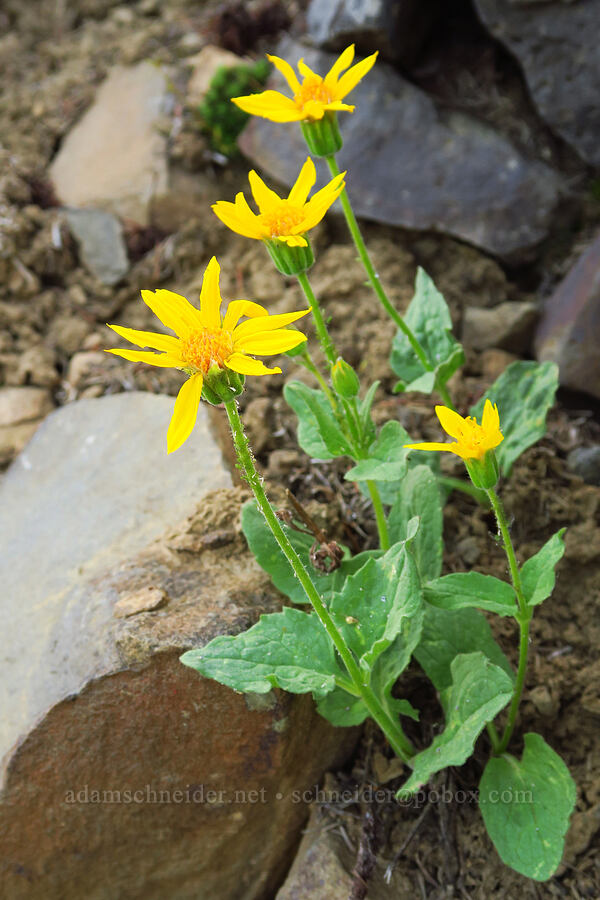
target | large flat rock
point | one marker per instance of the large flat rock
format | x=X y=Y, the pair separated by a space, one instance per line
x=556 y=44
x=94 y=486
x=127 y=775
x=410 y=164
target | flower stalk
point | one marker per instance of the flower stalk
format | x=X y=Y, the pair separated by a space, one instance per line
x=374 y=279
x=523 y=616
x=393 y=730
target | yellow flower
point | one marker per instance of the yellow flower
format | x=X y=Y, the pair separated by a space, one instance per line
x=283 y=219
x=207 y=343
x=472 y=440
x=314 y=96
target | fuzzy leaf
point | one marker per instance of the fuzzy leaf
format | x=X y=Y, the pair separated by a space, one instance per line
x=448 y=633
x=461 y=589
x=319 y=434
x=537 y=574
x=387 y=460
x=429 y=319
x=289 y=649
x=526 y=805
x=478 y=692
x=374 y=604
x=524 y=394
x=420 y=496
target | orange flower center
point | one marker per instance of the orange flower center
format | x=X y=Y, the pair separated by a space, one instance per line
x=312 y=89
x=204 y=349
x=282 y=219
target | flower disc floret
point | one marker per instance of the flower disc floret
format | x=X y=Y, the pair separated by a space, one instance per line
x=312 y=97
x=286 y=219
x=472 y=440
x=207 y=345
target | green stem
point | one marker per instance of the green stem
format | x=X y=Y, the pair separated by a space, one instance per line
x=393 y=731
x=384 y=535
x=307 y=361
x=324 y=337
x=377 y=286
x=523 y=617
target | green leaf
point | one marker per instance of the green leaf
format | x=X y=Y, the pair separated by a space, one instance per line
x=289 y=649
x=420 y=496
x=478 y=692
x=461 y=589
x=428 y=317
x=319 y=434
x=448 y=633
x=271 y=559
x=524 y=394
x=374 y=603
x=526 y=805
x=342 y=709
x=537 y=574
x=387 y=460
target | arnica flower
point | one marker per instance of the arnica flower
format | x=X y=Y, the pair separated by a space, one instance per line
x=472 y=440
x=314 y=96
x=209 y=348
x=281 y=219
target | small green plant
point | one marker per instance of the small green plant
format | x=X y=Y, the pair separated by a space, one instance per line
x=356 y=622
x=220 y=120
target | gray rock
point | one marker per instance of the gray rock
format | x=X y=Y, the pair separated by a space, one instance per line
x=585 y=462
x=397 y=28
x=101 y=245
x=114 y=158
x=411 y=165
x=556 y=43
x=508 y=326
x=569 y=330
x=126 y=774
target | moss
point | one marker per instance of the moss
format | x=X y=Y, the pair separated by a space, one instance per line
x=219 y=118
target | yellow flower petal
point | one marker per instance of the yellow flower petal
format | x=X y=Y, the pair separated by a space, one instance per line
x=314 y=109
x=286 y=70
x=266 y=343
x=304 y=183
x=341 y=63
x=173 y=310
x=245 y=365
x=433 y=446
x=185 y=413
x=293 y=240
x=265 y=198
x=164 y=360
x=349 y=81
x=239 y=308
x=452 y=423
x=306 y=72
x=239 y=217
x=490 y=421
x=262 y=324
x=148 y=338
x=270 y=105
x=210 y=296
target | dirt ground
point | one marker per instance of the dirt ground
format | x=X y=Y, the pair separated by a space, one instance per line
x=52 y=315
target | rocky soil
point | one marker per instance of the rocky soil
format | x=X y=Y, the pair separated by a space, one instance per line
x=76 y=250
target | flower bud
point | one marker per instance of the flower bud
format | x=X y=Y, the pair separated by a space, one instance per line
x=322 y=136
x=290 y=260
x=344 y=379
x=221 y=385
x=484 y=473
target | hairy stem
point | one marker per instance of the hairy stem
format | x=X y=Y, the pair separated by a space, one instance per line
x=393 y=730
